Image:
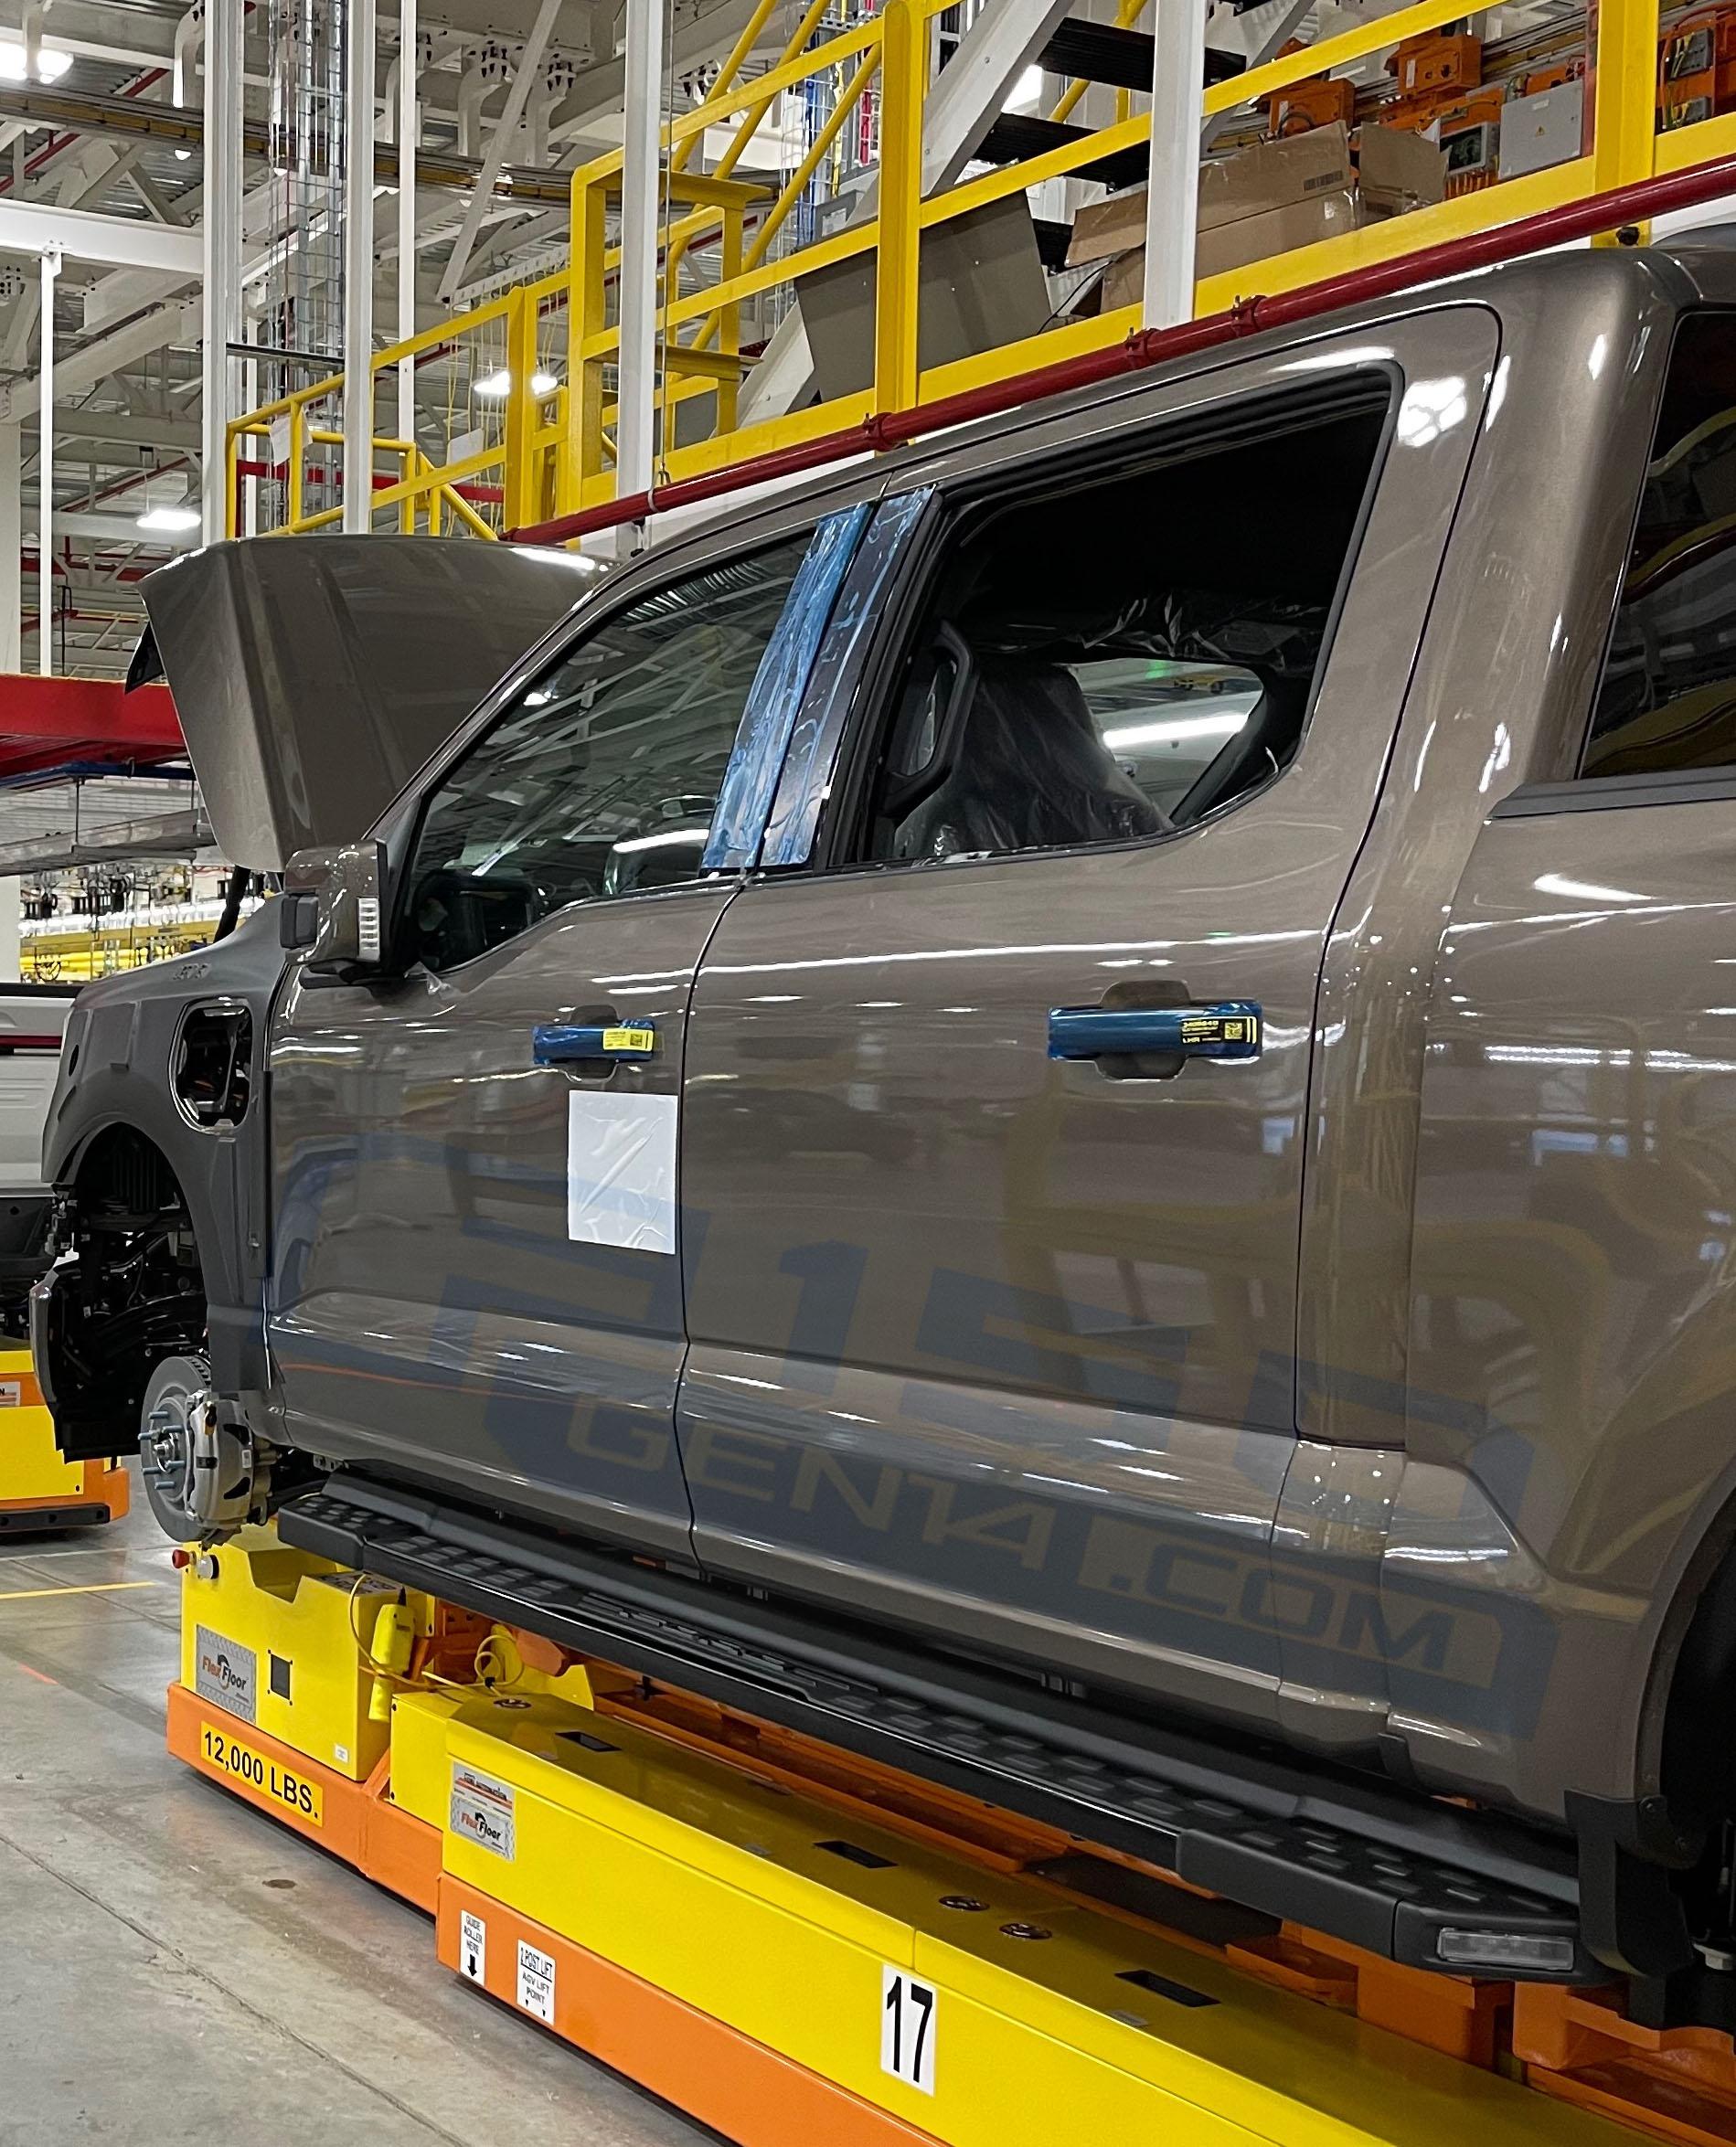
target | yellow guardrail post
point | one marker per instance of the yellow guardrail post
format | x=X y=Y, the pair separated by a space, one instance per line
x=585 y=318
x=1624 y=91
x=297 y=457
x=517 y=503
x=232 y=455
x=729 y=317
x=903 y=72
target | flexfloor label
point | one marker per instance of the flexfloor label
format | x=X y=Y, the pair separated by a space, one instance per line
x=225 y=1673
x=483 y=1811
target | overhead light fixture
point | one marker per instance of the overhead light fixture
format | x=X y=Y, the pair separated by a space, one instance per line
x=15 y=66
x=497 y=385
x=167 y=520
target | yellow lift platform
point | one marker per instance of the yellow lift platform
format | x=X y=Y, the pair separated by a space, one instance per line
x=37 y=1489
x=798 y=1949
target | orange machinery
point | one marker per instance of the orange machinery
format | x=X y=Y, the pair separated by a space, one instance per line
x=1697 y=67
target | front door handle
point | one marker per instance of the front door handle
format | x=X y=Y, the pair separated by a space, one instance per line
x=1228 y=1028
x=559 y=1043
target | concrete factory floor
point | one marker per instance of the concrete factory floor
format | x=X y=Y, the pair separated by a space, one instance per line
x=175 y=1967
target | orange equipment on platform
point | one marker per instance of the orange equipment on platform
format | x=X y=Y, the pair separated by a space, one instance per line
x=1697 y=67
x=1319 y=101
x=1434 y=72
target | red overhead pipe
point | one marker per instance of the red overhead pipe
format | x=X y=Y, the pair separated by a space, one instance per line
x=1620 y=207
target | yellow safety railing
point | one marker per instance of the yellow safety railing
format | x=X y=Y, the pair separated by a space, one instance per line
x=553 y=452
x=500 y=464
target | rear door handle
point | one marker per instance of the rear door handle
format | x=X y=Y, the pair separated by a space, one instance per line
x=1228 y=1028
x=560 y=1042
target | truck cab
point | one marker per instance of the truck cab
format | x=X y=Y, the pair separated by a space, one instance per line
x=1101 y=1047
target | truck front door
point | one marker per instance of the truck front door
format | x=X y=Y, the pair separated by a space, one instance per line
x=475 y=1276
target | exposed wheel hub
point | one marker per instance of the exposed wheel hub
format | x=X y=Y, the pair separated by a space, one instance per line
x=199 y=1471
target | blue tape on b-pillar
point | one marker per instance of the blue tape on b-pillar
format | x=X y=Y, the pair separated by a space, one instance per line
x=813 y=739
x=778 y=687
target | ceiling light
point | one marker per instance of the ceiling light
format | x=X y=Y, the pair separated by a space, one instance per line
x=15 y=66
x=169 y=518
x=497 y=385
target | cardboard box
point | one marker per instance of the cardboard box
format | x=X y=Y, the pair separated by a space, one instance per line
x=1268 y=198
x=1103 y=229
x=1268 y=175
x=1397 y=171
x=1278 y=230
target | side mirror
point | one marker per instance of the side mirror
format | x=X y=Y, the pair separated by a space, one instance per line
x=333 y=905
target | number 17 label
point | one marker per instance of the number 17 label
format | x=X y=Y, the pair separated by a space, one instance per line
x=907 y=2029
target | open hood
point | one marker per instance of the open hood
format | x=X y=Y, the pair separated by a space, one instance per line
x=313 y=676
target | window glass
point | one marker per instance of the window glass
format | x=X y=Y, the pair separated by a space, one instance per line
x=603 y=780
x=1667 y=698
x=1122 y=659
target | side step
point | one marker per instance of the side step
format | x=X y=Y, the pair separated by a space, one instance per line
x=1410 y=1880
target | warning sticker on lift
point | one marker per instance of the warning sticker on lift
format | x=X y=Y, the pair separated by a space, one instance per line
x=473 y=1947
x=279 y=1787
x=537 y=1982
x=225 y=1673
x=484 y=1811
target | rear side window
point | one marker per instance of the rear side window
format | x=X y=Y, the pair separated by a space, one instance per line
x=1667 y=698
x=1115 y=661
x=603 y=777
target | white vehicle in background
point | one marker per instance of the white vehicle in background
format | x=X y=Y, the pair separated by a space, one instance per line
x=33 y=1019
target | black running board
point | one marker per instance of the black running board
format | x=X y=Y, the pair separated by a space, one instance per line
x=1406 y=1879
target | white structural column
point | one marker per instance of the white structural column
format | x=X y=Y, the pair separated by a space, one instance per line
x=409 y=132
x=11 y=546
x=44 y=474
x=222 y=254
x=1171 y=206
x=358 y=265
x=641 y=177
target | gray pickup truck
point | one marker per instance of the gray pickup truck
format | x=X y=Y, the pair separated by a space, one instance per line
x=1063 y=1107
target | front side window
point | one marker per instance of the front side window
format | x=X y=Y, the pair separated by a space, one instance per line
x=1667 y=701
x=603 y=777
x=1118 y=660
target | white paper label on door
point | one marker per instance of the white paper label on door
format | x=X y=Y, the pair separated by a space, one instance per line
x=621 y=1170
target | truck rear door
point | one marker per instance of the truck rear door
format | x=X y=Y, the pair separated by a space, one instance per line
x=995 y=1135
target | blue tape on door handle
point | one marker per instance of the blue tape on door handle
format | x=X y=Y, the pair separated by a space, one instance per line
x=1228 y=1029
x=558 y=1043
